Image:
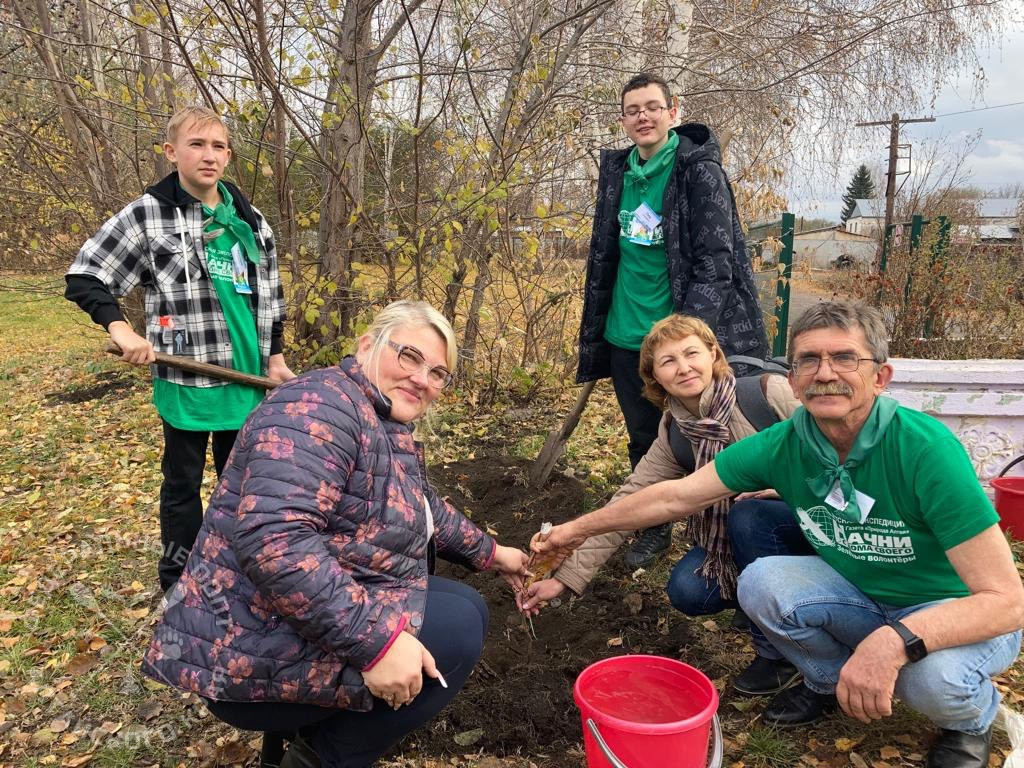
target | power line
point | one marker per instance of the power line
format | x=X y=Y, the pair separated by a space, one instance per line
x=981 y=109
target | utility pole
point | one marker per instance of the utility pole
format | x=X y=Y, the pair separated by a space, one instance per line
x=890 y=176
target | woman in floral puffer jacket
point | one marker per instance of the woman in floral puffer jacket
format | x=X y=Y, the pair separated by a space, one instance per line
x=306 y=606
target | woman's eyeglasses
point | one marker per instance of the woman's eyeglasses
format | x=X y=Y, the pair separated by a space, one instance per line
x=412 y=360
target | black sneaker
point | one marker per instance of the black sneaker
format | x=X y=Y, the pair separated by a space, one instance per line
x=648 y=545
x=798 y=705
x=765 y=677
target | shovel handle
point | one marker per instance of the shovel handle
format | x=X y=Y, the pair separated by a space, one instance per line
x=206 y=369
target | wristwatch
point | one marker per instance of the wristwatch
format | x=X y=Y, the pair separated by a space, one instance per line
x=913 y=644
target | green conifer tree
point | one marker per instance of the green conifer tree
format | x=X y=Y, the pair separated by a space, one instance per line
x=861 y=187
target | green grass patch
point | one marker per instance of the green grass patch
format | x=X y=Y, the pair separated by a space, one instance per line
x=769 y=748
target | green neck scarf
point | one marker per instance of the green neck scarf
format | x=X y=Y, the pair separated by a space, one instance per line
x=870 y=435
x=640 y=175
x=227 y=217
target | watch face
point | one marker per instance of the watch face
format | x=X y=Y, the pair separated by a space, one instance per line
x=915 y=649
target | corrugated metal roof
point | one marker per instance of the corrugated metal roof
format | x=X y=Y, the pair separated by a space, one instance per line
x=989 y=208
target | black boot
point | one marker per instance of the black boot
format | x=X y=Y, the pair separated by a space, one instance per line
x=955 y=749
x=798 y=705
x=648 y=545
x=272 y=750
x=740 y=621
x=300 y=755
x=765 y=677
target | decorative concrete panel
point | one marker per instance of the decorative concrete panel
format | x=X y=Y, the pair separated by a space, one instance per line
x=981 y=401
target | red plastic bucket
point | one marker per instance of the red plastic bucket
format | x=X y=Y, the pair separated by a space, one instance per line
x=1010 y=501
x=647 y=712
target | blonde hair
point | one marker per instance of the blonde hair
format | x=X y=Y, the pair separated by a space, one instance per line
x=676 y=328
x=202 y=116
x=415 y=313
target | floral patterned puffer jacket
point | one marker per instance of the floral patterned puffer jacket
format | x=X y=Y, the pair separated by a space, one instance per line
x=313 y=553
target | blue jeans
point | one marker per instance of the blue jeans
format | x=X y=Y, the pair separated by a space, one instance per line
x=757 y=528
x=817 y=618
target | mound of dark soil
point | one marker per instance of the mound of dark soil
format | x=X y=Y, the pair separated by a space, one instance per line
x=519 y=699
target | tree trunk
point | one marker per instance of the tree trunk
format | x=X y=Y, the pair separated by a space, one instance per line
x=286 y=235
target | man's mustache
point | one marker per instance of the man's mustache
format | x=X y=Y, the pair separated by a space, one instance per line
x=828 y=388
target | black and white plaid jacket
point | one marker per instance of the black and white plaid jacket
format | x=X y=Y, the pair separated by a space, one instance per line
x=150 y=242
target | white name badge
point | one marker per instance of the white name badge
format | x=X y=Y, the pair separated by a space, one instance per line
x=836 y=501
x=646 y=215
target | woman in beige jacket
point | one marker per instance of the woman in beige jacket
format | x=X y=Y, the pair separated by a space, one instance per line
x=685 y=373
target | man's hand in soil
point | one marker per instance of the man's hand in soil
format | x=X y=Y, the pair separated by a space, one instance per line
x=134 y=348
x=511 y=564
x=535 y=596
x=398 y=677
x=560 y=542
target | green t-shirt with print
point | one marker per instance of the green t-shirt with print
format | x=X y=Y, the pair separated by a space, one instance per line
x=223 y=407
x=641 y=295
x=926 y=500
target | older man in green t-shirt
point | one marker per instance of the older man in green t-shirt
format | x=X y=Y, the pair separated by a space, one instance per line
x=913 y=592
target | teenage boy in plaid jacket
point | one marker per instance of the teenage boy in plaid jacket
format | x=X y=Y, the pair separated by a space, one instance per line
x=206 y=260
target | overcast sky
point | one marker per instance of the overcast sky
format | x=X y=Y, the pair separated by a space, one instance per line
x=998 y=158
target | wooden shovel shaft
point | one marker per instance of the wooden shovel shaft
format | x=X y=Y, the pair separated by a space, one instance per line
x=206 y=369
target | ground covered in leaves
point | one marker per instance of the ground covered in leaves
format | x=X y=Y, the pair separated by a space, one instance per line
x=79 y=474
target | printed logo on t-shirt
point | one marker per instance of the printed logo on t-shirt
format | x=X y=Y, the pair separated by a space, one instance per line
x=875 y=541
x=219 y=263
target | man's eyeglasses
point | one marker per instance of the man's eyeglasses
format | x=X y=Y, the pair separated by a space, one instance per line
x=651 y=110
x=412 y=360
x=844 y=362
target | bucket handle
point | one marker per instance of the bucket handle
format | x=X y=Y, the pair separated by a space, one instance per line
x=1018 y=460
x=716 y=751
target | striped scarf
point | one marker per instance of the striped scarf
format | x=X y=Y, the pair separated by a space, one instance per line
x=708 y=529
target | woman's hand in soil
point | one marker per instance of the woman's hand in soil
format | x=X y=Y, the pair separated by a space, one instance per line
x=538 y=594
x=511 y=564
x=398 y=677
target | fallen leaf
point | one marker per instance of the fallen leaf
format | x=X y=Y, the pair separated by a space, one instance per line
x=845 y=745
x=614 y=642
x=149 y=709
x=82 y=663
x=44 y=737
x=634 y=602
x=469 y=738
x=890 y=753
x=59 y=725
x=858 y=761
x=76 y=762
x=232 y=752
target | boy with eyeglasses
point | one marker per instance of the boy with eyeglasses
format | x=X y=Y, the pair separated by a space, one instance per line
x=666 y=238
x=205 y=258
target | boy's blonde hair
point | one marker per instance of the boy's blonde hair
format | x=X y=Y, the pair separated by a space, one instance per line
x=201 y=115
